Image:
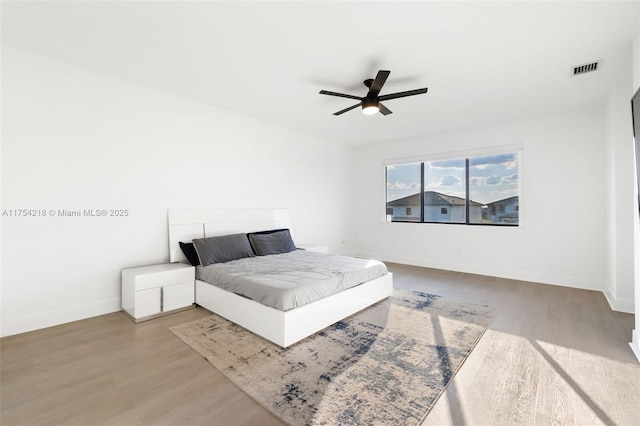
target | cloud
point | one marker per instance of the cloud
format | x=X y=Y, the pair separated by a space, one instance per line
x=450 y=180
x=498 y=159
x=402 y=185
x=511 y=178
x=447 y=180
x=501 y=180
x=493 y=180
x=476 y=181
x=457 y=163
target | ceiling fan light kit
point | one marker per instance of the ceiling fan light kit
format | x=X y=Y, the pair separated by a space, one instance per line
x=371 y=102
x=370 y=106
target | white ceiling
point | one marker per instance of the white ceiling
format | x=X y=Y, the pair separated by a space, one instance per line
x=483 y=62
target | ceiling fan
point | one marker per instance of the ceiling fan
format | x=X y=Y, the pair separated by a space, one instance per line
x=371 y=102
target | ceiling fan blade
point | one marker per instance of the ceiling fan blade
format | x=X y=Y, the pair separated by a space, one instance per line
x=377 y=84
x=342 y=95
x=347 y=109
x=402 y=94
x=384 y=110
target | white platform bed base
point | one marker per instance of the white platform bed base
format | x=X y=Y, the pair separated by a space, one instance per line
x=283 y=328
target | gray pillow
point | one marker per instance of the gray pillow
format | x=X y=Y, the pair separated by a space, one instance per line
x=272 y=243
x=222 y=249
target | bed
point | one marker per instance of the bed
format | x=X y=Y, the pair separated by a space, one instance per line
x=282 y=327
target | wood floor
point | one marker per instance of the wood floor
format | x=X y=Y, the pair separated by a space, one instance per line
x=553 y=355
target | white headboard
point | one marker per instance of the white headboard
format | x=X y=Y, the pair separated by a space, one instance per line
x=187 y=224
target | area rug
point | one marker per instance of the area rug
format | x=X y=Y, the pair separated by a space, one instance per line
x=387 y=364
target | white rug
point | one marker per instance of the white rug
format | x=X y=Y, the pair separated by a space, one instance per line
x=387 y=364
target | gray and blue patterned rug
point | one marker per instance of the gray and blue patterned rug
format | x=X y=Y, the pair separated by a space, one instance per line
x=387 y=364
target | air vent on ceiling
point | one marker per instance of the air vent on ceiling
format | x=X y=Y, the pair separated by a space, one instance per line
x=585 y=68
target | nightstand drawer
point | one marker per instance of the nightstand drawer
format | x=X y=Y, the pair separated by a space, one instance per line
x=162 y=278
x=147 y=302
x=177 y=296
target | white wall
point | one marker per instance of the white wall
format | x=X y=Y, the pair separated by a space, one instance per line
x=620 y=190
x=562 y=151
x=74 y=139
x=635 y=339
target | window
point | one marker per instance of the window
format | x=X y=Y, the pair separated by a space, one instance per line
x=478 y=190
x=403 y=192
x=444 y=189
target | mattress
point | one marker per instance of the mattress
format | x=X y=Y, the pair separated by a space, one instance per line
x=287 y=281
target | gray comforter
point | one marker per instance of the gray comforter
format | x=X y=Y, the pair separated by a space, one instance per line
x=287 y=281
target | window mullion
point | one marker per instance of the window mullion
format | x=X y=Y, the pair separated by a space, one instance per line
x=421 y=192
x=466 y=184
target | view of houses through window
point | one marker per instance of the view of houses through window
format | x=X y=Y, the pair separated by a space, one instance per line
x=481 y=190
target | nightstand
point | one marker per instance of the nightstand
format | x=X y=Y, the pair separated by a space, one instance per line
x=318 y=248
x=152 y=291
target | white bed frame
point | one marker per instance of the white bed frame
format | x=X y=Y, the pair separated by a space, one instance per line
x=283 y=328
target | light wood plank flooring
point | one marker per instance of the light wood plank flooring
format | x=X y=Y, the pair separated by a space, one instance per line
x=553 y=355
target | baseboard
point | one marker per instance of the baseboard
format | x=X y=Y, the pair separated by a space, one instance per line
x=11 y=326
x=635 y=344
x=536 y=277
x=619 y=305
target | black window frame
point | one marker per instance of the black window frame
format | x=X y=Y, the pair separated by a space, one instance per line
x=467 y=199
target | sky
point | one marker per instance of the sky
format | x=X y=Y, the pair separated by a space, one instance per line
x=491 y=177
